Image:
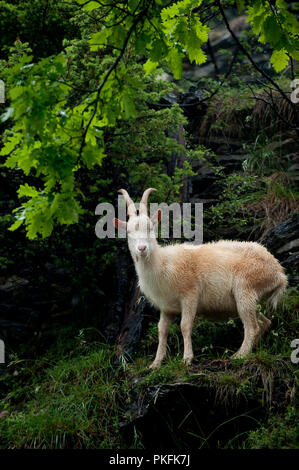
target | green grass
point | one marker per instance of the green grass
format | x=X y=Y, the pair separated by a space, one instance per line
x=279 y=432
x=75 y=403
x=64 y=410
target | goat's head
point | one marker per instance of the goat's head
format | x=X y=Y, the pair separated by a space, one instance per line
x=140 y=228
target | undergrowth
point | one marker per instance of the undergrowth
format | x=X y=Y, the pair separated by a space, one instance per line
x=78 y=395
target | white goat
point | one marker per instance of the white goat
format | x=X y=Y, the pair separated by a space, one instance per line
x=218 y=280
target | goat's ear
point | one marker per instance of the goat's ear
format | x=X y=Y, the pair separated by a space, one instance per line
x=157 y=216
x=120 y=224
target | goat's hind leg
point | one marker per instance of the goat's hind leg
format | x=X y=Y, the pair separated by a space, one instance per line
x=163 y=329
x=247 y=310
x=263 y=322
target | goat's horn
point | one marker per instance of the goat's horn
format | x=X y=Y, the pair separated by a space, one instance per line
x=143 y=202
x=130 y=204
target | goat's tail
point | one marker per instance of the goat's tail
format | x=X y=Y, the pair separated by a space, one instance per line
x=275 y=296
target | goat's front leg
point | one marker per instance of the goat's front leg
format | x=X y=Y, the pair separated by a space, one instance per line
x=189 y=309
x=163 y=328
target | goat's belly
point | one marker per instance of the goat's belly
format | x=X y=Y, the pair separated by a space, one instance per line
x=218 y=309
x=217 y=315
x=167 y=306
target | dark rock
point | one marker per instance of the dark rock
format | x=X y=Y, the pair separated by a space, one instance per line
x=283 y=241
x=57 y=271
x=194 y=102
x=12 y=283
x=170 y=99
x=188 y=416
x=205 y=188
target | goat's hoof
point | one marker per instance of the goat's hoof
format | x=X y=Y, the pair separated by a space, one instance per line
x=155 y=365
x=188 y=361
x=238 y=355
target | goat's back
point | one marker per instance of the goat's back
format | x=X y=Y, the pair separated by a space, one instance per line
x=217 y=272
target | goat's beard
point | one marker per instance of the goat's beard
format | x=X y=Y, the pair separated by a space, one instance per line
x=144 y=257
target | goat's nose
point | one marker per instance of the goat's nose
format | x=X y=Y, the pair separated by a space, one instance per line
x=141 y=248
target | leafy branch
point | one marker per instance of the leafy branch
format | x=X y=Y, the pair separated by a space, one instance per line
x=137 y=20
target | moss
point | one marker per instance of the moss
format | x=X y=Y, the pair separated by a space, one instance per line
x=171 y=371
x=228 y=379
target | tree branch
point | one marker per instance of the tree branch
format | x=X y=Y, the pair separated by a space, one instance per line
x=272 y=105
x=111 y=69
x=242 y=48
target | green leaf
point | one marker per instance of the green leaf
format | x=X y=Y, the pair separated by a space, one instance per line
x=150 y=66
x=11 y=143
x=92 y=155
x=271 y=31
x=158 y=50
x=16 y=224
x=174 y=60
x=90 y=6
x=26 y=190
x=128 y=106
x=279 y=60
x=100 y=39
x=16 y=91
